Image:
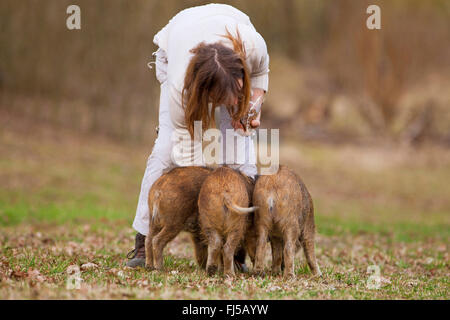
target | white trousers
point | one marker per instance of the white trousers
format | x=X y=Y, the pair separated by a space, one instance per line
x=161 y=159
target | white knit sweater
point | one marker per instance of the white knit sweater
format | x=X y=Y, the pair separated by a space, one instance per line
x=207 y=23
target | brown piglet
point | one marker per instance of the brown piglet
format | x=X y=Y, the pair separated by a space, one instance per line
x=224 y=216
x=285 y=216
x=173 y=208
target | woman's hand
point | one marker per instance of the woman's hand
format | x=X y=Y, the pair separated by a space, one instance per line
x=257 y=94
x=255 y=123
x=237 y=124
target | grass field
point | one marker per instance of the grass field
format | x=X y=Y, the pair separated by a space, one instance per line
x=67 y=201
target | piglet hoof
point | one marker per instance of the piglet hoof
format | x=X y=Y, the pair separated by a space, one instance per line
x=149 y=268
x=229 y=275
x=259 y=273
x=318 y=274
x=276 y=272
x=289 y=276
x=211 y=270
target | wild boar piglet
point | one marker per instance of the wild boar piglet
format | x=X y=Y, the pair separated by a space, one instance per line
x=173 y=208
x=224 y=216
x=285 y=216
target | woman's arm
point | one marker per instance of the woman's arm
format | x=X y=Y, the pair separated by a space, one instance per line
x=259 y=60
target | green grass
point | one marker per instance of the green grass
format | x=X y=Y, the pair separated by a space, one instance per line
x=69 y=201
x=398 y=231
x=24 y=212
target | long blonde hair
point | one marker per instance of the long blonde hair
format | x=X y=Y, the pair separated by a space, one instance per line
x=212 y=77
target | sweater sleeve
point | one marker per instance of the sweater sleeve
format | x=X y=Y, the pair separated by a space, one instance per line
x=259 y=61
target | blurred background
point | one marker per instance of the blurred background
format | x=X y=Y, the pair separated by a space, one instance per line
x=331 y=78
x=363 y=114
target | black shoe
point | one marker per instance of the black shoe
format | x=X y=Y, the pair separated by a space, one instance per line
x=137 y=255
x=241 y=267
